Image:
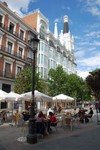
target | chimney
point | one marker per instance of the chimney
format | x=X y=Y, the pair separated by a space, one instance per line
x=5 y=4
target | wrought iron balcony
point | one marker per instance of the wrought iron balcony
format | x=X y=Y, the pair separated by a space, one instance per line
x=7 y=75
x=16 y=55
x=12 y=32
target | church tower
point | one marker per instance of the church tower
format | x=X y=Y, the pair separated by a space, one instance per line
x=68 y=40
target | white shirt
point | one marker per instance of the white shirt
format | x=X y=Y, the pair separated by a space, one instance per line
x=49 y=110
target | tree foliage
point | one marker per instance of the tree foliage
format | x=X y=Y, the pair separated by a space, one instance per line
x=93 y=82
x=57 y=81
x=68 y=84
x=23 y=82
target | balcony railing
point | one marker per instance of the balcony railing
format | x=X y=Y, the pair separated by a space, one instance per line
x=7 y=75
x=58 y=50
x=11 y=53
x=2 y=25
x=64 y=54
x=12 y=32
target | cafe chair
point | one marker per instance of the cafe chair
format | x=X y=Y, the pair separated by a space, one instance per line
x=54 y=125
x=76 y=122
x=67 y=122
x=82 y=118
x=59 y=120
x=90 y=117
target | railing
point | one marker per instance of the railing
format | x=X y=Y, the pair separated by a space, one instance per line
x=43 y=38
x=8 y=75
x=58 y=50
x=2 y=25
x=11 y=52
x=64 y=54
x=12 y=32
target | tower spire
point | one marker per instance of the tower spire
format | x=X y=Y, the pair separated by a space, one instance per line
x=55 y=31
x=66 y=28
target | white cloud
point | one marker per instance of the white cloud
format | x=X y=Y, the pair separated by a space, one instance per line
x=87 y=60
x=59 y=20
x=18 y=5
x=94 y=11
x=80 y=54
x=66 y=8
x=86 y=65
x=83 y=74
x=93 y=61
x=93 y=34
x=77 y=37
x=91 y=6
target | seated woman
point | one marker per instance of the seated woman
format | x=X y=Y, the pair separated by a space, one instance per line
x=53 y=119
x=40 y=123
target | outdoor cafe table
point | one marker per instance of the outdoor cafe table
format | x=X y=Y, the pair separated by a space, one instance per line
x=70 y=120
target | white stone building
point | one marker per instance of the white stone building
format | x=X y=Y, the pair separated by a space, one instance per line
x=53 y=49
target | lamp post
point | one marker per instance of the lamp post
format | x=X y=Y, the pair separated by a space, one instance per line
x=75 y=102
x=32 y=137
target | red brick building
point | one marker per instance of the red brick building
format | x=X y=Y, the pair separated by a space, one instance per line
x=15 y=49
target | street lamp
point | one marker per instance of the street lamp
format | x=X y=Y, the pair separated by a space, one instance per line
x=75 y=102
x=32 y=137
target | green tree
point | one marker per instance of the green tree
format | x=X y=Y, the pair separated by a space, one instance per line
x=23 y=82
x=76 y=87
x=68 y=84
x=57 y=81
x=93 y=82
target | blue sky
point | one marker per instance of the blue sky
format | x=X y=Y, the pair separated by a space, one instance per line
x=84 y=25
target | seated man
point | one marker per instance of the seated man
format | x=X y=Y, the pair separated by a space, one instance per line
x=25 y=115
x=90 y=114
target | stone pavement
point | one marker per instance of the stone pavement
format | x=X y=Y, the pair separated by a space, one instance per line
x=10 y=135
x=2 y=147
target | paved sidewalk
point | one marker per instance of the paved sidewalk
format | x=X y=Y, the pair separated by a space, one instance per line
x=2 y=147
x=9 y=136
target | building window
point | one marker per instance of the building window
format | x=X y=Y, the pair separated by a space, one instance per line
x=21 y=34
x=3 y=105
x=6 y=87
x=49 y=64
x=19 y=69
x=45 y=73
x=42 y=104
x=42 y=59
x=20 y=52
x=51 y=43
x=7 y=70
x=39 y=59
x=1 y=20
x=9 y=48
x=11 y=27
x=41 y=72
